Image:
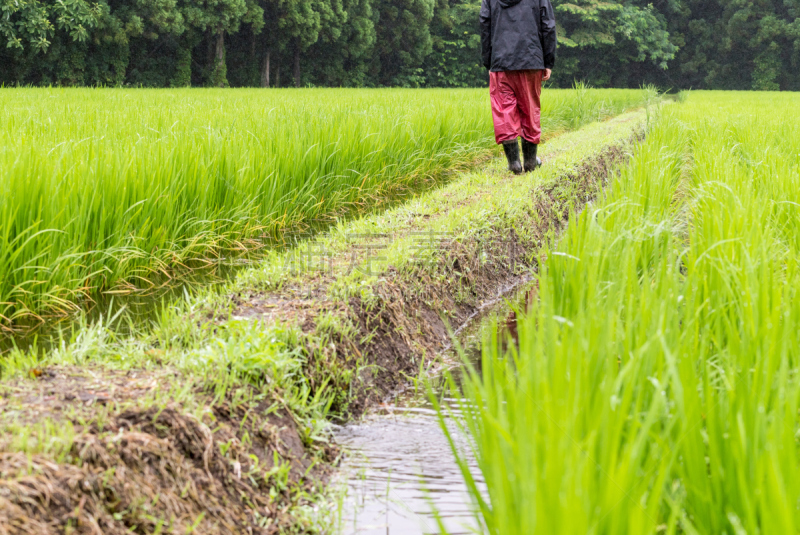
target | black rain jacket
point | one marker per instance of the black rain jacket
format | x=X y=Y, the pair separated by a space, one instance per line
x=518 y=34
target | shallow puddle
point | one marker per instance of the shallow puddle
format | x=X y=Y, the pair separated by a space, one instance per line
x=401 y=469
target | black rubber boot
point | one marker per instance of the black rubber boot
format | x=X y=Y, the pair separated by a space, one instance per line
x=529 y=153
x=511 y=149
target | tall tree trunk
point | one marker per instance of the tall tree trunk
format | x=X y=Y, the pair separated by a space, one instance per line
x=210 y=53
x=220 y=57
x=297 y=65
x=278 y=75
x=265 y=70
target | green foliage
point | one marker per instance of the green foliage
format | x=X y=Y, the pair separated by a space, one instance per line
x=183 y=70
x=344 y=61
x=455 y=58
x=403 y=41
x=430 y=43
x=736 y=45
x=601 y=39
x=32 y=23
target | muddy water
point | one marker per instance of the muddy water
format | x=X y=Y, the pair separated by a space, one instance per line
x=400 y=467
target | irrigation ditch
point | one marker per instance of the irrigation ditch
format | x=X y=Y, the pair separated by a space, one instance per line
x=218 y=422
x=399 y=475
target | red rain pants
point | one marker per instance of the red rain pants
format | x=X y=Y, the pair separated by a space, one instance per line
x=516 y=105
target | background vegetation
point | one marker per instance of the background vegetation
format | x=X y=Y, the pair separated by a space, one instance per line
x=722 y=44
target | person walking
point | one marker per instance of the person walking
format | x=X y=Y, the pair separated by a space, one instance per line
x=518 y=45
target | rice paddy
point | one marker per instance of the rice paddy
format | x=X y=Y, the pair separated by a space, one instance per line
x=655 y=387
x=103 y=192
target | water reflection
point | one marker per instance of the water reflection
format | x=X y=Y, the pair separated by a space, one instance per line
x=401 y=470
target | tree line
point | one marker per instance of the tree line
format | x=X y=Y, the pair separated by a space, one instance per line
x=711 y=44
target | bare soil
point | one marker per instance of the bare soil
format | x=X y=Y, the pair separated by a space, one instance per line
x=145 y=470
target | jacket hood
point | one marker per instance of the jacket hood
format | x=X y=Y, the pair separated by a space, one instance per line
x=509 y=3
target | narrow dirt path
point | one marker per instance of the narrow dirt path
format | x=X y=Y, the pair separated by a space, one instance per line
x=397 y=283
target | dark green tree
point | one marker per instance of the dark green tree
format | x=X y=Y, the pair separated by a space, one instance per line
x=726 y=44
x=30 y=28
x=403 y=41
x=455 y=58
x=342 y=58
x=215 y=18
x=600 y=40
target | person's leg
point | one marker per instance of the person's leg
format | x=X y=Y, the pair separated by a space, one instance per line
x=506 y=118
x=528 y=87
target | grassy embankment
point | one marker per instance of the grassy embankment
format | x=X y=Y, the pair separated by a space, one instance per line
x=108 y=192
x=215 y=416
x=656 y=385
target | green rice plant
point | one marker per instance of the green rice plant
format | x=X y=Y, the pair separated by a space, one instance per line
x=115 y=191
x=655 y=387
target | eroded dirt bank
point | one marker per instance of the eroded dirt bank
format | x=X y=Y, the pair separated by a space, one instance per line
x=410 y=311
x=214 y=424
x=115 y=465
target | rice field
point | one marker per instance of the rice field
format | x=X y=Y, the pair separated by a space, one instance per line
x=655 y=387
x=104 y=191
